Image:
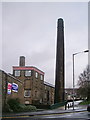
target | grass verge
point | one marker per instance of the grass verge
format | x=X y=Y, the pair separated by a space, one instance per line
x=84 y=102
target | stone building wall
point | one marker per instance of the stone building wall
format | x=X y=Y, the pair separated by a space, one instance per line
x=69 y=93
x=48 y=93
x=7 y=78
x=32 y=84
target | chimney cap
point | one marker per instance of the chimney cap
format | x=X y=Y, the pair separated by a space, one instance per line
x=22 y=56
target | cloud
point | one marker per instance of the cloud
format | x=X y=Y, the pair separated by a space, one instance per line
x=30 y=29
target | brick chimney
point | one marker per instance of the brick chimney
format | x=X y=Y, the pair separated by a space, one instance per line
x=59 y=80
x=22 y=61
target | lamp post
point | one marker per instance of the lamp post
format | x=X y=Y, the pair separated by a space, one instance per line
x=73 y=72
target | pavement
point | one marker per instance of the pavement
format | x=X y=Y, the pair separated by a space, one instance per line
x=61 y=110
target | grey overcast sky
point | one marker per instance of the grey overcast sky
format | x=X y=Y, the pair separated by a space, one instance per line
x=30 y=29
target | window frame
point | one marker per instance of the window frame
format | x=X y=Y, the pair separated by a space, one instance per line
x=36 y=74
x=16 y=72
x=29 y=93
x=29 y=71
x=41 y=77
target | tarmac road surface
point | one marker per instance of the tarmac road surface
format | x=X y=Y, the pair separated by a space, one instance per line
x=60 y=116
x=79 y=113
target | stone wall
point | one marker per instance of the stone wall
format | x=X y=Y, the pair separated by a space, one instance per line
x=7 y=78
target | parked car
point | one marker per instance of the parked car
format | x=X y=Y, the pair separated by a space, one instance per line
x=88 y=108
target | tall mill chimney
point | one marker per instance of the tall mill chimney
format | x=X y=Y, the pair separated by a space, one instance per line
x=59 y=80
x=22 y=61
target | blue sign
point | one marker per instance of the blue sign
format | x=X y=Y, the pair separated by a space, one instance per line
x=14 y=87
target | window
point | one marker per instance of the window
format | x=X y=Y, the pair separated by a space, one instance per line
x=36 y=95
x=36 y=75
x=41 y=100
x=28 y=73
x=41 y=77
x=27 y=93
x=45 y=95
x=45 y=87
x=17 y=72
x=27 y=102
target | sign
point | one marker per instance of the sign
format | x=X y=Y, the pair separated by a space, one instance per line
x=9 y=88
x=14 y=87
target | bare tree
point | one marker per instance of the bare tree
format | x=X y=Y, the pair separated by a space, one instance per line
x=84 y=83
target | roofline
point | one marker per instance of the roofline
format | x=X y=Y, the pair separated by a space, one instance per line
x=31 y=67
x=14 y=78
x=11 y=76
x=49 y=84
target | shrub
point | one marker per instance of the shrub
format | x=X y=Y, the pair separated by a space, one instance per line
x=25 y=108
x=30 y=108
x=7 y=108
x=15 y=106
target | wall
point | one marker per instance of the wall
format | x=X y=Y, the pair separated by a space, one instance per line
x=6 y=78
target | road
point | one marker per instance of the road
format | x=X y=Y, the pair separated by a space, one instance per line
x=60 y=116
x=79 y=113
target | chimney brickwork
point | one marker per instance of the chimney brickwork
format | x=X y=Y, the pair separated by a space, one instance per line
x=59 y=80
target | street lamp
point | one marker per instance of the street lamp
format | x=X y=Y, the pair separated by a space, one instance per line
x=73 y=72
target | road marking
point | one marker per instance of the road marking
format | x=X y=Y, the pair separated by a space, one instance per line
x=15 y=117
x=43 y=115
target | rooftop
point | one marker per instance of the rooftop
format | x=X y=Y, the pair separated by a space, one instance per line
x=49 y=84
x=11 y=76
x=28 y=68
